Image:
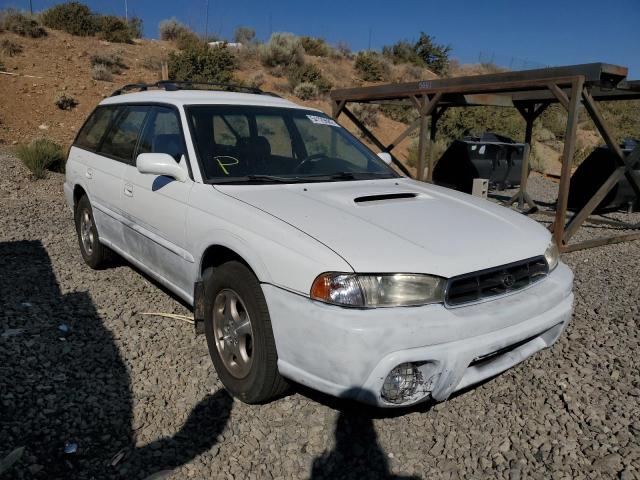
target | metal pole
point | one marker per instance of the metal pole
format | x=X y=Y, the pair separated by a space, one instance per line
x=126 y=11
x=524 y=174
x=206 y=22
x=31 y=6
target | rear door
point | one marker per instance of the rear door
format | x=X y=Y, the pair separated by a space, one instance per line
x=100 y=176
x=157 y=205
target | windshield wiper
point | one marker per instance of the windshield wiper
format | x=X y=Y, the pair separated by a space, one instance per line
x=255 y=178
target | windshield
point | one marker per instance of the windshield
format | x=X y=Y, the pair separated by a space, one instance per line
x=238 y=144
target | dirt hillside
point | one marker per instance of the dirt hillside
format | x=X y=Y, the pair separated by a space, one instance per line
x=61 y=63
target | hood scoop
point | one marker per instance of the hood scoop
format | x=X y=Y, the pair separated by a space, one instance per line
x=384 y=197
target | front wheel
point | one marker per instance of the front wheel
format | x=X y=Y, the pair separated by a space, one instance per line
x=239 y=334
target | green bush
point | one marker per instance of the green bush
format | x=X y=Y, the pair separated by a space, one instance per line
x=110 y=61
x=306 y=91
x=41 y=155
x=10 y=48
x=171 y=29
x=244 y=35
x=114 y=29
x=64 y=101
x=434 y=55
x=314 y=46
x=371 y=67
x=136 y=27
x=282 y=49
x=71 y=17
x=78 y=19
x=202 y=63
x=307 y=73
x=402 y=52
x=188 y=39
x=21 y=23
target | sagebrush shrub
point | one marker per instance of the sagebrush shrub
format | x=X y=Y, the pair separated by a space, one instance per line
x=111 y=61
x=153 y=64
x=64 y=101
x=71 y=17
x=101 y=72
x=282 y=49
x=371 y=67
x=314 y=46
x=10 y=48
x=244 y=35
x=171 y=29
x=306 y=91
x=308 y=73
x=41 y=155
x=21 y=23
x=202 y=63
x=256 y=80
x=367 y=113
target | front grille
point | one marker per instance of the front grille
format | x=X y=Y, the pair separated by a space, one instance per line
x=476 y=286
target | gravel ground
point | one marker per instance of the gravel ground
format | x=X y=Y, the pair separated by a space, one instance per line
x=144 y=386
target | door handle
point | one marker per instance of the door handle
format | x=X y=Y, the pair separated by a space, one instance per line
x=128 y=190
x=89 y=173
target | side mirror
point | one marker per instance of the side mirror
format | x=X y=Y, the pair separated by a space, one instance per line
x=386 y=157
x=160 y=164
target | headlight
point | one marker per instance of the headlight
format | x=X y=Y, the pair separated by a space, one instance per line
x=552 y=255
x=382 y=290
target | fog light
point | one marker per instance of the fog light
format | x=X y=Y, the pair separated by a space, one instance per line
x=402 y=383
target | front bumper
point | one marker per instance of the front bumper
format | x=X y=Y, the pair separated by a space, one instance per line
x=349 y=352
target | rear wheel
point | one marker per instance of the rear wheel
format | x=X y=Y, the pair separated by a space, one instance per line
x=239 y=334
x=94 y=253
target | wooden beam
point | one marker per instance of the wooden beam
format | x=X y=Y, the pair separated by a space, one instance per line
x=567 y=156
x=374 y=139
x=415 y=124
x=601 y=125
x=579 y=218
x=598 y=242
x=560 y=95
x=337 y=108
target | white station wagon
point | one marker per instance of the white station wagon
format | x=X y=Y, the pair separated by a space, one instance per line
x=304 y=254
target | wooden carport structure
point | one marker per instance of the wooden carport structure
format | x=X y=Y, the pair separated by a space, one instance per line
x=530 y=92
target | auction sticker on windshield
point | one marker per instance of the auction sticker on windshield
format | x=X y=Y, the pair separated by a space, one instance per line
x=322 y=120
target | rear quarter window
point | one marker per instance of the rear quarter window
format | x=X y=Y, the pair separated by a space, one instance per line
x=95 y=127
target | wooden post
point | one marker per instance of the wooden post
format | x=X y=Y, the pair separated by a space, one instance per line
x=435 y=116
x=567 y=157
x=165 y=71
x=422 y=146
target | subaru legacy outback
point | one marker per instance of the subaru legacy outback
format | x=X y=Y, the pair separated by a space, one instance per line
x=305 y=256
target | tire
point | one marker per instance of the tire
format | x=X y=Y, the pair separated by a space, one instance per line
x=244 y=356
x=93 y=252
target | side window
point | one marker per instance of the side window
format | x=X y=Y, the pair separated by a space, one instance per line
x=162 y=134
x=273 y=128
x=95 y=128
x=123 y=136
x=227 y=129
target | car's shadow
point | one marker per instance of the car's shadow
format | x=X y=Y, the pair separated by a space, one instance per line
x=58 y=387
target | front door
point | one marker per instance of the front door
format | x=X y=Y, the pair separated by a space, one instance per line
x=156 y=205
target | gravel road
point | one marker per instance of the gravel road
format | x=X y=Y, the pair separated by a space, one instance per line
x=144 y=386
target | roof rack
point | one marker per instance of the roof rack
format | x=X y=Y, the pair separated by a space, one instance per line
x=175 y=85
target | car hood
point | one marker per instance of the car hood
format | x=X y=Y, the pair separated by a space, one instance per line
x=400 y=225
